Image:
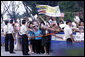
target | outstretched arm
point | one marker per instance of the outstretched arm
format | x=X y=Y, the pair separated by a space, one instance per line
x=29 y=29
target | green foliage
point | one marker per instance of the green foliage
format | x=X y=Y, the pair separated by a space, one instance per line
x=69 y=15
x=69 y=6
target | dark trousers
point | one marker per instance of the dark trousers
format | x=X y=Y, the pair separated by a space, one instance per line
x=11 y=41
x=6 y=42
x=24 y=44
x=69 y=42
x=48 y=44
x=48 y=47
x=38 y=46
x=34 y=45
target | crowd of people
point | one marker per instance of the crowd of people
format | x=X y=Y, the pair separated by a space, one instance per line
x=34 y=36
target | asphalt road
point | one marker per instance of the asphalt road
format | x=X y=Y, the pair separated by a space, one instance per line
x=58 y=48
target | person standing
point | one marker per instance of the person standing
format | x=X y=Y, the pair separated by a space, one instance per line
x=46 y=40
x=24 y=35
x=30 y=40
x=17 y=29
x=6 y=36
x=10 y=31
x=68 y=33
x=37 y=32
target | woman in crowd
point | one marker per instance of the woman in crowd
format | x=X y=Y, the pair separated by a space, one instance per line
x=42 y=24
x=30 y=40
x=37 y=32
x=46 y=29
x=17 y=29
x=45 y=39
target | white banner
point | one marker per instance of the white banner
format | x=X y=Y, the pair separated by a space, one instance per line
x=48 y=10
x=77 y=37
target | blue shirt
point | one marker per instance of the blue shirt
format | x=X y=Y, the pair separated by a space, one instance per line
x=37 y=34
x=31 y=34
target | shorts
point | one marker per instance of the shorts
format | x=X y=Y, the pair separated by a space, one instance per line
x=30 y=41
x=2 y=39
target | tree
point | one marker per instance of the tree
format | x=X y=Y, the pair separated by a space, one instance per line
x=68 y=6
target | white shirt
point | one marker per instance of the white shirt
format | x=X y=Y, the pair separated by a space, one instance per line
x=62 y=25
x=5 y=29
x=77 y=19
x=10 y=28
x=74 y=25
x=23 y=29
x=67 y=31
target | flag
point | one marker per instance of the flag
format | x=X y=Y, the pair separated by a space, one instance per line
x=41 y=9
x=48 y=10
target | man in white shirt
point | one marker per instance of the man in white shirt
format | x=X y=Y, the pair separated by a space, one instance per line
x=68 y=33
x=10 y=30
x=24 y=35
x=6 y=35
